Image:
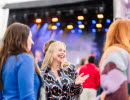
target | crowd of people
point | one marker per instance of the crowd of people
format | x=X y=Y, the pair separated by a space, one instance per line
x=54 y=78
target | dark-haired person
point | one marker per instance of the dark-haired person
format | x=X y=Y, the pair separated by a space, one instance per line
x=18 y=75
x=45 y=47
x=82 y=62
x=91 y=85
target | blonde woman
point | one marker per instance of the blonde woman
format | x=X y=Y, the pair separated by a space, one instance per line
x=59 y=76
x=115 y=62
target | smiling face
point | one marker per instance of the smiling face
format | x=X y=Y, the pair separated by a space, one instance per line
x=59 y=53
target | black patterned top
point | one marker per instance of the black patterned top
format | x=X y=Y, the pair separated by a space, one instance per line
x=54 y=90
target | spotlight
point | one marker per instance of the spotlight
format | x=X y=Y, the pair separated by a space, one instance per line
x=38 y=20
x=108 y=21
x=79 y=22
x=70 y=26
x=46 y=13
x=54 y=27
x=14 y=16
x=106 y=29
x=93 y=30
x=85 y=10
x=58 y=12
x=25 y=16
x=94 y=22
x=35 y=15
x=80 y=17
x=71 y=12
x=58 y=24
x=101 y=9
x=55 y=19
x=81 y=26
x=99 y=25
x=100 y=16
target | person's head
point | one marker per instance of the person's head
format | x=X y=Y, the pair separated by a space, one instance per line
x=47 y=44
x=91 y=59
x=82 y=61
x=118 y=34
x=56 y=52
x=17 y=39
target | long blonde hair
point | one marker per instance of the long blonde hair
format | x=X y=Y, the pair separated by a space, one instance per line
x=49 y=55
x=118 y=34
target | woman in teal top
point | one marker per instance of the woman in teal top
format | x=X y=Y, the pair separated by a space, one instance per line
x=19 y=79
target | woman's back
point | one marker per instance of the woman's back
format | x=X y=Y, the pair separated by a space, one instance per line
x=20 y=80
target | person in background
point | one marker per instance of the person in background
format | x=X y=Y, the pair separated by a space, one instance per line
x=18 y=76
x=91 y=85
x=115 y=62
x=96 y=62
x=59 y=76
x=47 y=44
x=82 y=62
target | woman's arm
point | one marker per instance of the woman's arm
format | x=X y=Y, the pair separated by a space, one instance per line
x=113 y=73
x=112 y=78
x=76 y=87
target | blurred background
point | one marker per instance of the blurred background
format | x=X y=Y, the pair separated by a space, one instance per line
x=80 y=24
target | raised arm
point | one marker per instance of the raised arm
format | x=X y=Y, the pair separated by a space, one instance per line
x=76 y=89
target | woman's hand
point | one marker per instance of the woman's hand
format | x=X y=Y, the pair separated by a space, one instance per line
x=103 y=95
x=80 y=79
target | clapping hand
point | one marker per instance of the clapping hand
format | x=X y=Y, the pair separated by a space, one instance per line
x=80 y=79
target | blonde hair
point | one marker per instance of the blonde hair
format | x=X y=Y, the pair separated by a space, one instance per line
x=49 y=55
x=118 y=35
